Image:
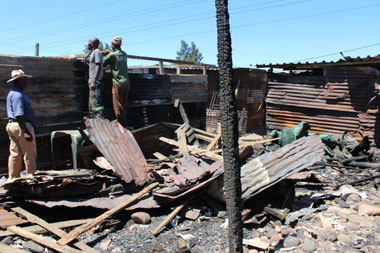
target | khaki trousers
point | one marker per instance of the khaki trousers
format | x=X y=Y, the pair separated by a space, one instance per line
x=119 y=100
x=21 y=149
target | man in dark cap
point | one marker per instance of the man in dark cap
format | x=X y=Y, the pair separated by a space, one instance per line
x=117 y=59
x=20 y=128
x=95 y=78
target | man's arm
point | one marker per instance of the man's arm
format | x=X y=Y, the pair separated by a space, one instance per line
x=18 y=109
x=108 y=59
x=27 y=135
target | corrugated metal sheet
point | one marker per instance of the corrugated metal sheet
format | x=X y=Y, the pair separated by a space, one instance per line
x=53 y=91
x=189 y=88
x=187 y=171
x=120 y=148
x=373 y=61
x=270 y=168
x=331 y=103
x=146 y=202
x=59 y=95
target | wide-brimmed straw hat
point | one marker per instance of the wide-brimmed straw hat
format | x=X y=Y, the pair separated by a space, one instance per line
x=17 y=74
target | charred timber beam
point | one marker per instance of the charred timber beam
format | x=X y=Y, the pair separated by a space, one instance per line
x=230 y=134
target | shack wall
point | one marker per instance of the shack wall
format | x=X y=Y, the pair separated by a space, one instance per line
x=59 y=96
x=333 y=102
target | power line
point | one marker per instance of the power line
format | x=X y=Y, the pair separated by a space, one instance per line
x=254 y=24
x=62 y=16
x=260 y=23
x=106 y=20
x=345 y=51
x=152 y=26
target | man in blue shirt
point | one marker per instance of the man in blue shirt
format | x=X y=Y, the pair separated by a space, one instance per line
x=20 y=129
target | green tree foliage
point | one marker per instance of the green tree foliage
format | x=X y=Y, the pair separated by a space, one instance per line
x=101 y=46
x=187 y=53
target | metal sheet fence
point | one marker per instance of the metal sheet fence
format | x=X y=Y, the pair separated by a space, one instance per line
x=59 y=96
x=333 y=103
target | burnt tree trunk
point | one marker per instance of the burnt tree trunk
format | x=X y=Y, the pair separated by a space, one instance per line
x=230 y=135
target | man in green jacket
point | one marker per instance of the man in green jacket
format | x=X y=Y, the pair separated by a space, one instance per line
x=117 y=59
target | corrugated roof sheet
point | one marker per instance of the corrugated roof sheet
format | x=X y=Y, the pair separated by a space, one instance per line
x=373 y=61
x=270 y=168
x=120 y=148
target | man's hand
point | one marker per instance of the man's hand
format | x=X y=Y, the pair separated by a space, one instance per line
x=92 y=85
x=28 y=137
x=105 y=52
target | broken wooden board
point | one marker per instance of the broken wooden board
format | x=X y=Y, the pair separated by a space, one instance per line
x=39 y=230
x=43 y=240
x=192 y=149
x=8 y=219
x=216 y=139
x=66 y=183
x=182 y=141
x=160 y=156
x=76 y=232
x=102 y=162
x=50 y=227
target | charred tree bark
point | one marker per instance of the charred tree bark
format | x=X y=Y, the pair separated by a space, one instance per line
x=230 y=135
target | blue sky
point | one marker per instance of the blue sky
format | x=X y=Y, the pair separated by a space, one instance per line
x=271 y=31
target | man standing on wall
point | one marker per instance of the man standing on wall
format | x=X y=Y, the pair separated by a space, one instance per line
x=95 y=83
x=117 y=59
x=20 y=128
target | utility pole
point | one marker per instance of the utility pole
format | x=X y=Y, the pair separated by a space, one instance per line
x=37 y=49
x=230 y=134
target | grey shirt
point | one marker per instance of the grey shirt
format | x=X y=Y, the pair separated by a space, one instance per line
x=95 y=57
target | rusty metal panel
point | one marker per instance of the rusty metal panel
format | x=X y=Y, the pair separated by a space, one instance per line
x=331 y=103
x=120 y=148
x=54 y=91
x=213 y=118
x=270 y=168
x=189 y=88
x=187 y=171
x=146 y=202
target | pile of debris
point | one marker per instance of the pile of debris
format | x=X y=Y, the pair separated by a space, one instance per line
x=285 y=181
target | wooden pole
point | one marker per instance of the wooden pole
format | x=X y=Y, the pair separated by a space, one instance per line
x=37 y=49
x=169 y=218
x=230 y=134
x=76 y=232
x=161 y=68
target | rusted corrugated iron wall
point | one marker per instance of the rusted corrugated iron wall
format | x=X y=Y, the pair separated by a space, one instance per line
x=53 y=90
x=56 y=95
x=59 y=95
x=334 y=102
x=251 y=94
